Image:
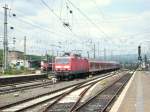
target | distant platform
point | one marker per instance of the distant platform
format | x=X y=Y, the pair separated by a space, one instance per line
x=20 y=78
x=136 y=95
x=21 y=75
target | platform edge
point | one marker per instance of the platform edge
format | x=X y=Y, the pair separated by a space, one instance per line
x=121 y=97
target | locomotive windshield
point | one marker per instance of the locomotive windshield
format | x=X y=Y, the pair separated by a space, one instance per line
x=62 y=60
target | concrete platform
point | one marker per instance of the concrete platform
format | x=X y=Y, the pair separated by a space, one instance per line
x=12 y=76
x=136 y=95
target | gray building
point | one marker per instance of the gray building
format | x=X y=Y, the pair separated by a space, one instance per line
x=15 y=55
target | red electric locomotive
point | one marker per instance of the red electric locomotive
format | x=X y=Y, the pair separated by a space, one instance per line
x=70 y=66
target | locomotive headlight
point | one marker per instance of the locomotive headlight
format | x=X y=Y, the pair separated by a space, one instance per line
x=58 y=67
x=66 y=66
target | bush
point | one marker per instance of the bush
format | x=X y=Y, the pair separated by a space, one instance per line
x=17 y=72
x=12 y=72
x=22 y=68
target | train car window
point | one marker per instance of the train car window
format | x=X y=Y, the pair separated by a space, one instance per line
x=91 y=65
x=62 y=61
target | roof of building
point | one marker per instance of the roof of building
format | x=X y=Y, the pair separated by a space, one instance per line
x=16 y=51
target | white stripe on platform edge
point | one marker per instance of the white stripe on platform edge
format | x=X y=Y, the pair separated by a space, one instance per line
x=117 y=104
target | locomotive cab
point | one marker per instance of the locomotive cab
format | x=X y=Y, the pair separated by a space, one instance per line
x=71 y=66
x=62 y=66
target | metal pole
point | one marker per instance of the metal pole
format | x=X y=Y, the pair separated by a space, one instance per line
x=88 y=54
x=47 y=63
x=5 y=42
x=24 y=49
x=57 y=52
x=98 y=49
x=112 y=55
x=94 y=50
x=104 y=54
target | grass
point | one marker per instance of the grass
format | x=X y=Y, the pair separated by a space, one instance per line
x=17 y=72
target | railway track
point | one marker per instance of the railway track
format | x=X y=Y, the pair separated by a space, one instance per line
x=77 y=105
x=24 y=86
x=52 y=99
x=103 y=100
x=18 y=79
x=10 y=88
x=12 y=84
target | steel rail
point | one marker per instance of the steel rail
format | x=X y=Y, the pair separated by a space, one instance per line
x=114 y=96
x=73 y=89
x=81 y=96
x=15 y=89
x=100 y=92
x=52 y=98
x=49 y=93
x=117 y=92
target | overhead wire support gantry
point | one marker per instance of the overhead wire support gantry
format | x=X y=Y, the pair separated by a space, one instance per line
x=5 y=40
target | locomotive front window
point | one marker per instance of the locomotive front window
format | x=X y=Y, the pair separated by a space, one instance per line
x=62 y=61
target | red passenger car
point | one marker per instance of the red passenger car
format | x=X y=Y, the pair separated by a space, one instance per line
x=98 y=66
x=46 y=66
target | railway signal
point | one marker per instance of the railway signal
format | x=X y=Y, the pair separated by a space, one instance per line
x=139 y=53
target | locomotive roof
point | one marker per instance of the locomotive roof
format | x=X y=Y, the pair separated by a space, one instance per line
x=69 y=57
x=63 y=57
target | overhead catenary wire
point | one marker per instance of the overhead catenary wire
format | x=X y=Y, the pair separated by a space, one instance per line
x=106 y=20
x=83 y=14
x=31 y=22
x=98 y=28
x=61 y=7
x=26 y=21
x=99 y=9
x=108 y=39
x=35 y=26
x=41 y=28
x=46 y=5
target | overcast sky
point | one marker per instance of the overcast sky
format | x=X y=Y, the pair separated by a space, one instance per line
x=116 y=25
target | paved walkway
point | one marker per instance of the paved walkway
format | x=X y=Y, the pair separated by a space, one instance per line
x=137 y=98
